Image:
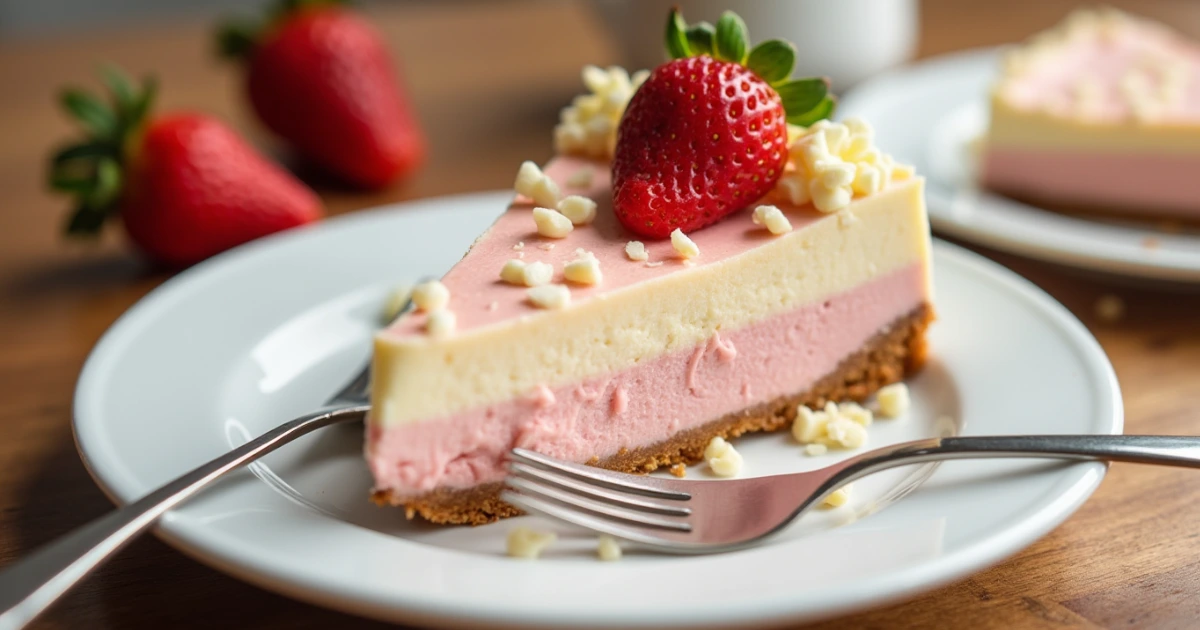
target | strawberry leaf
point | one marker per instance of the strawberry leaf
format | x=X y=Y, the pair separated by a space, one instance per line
x=676 y=37
x=772 y=60
x=821 y=111
x=701 y=37
x=801 y=95
x=94 y=115
x=118 y=83
x=85 y=221
x=731 y=38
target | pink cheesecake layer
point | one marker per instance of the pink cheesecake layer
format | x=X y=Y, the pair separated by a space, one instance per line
x=478 y=297
x=1051 y=84
x=645 y=405
x=1161 y=182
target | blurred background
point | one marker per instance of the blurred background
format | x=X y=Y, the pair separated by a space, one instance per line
x=487 y=79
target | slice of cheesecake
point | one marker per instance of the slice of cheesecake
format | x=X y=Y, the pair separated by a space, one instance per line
x=633 y=355
x=1100 y=114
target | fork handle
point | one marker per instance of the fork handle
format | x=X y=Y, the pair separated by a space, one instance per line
x=1168 y=450
x=29 y=586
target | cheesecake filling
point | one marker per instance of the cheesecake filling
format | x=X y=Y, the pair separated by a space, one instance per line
x=645 y=404
x=1165 y=182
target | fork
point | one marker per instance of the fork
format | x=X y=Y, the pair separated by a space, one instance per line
x=710 y=516
x=29 y=586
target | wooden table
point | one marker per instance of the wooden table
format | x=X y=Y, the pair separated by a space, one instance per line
x=1129 y=557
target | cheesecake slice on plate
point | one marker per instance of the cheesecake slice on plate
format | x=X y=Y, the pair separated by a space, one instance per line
x=1100 y=114
x=594 y=330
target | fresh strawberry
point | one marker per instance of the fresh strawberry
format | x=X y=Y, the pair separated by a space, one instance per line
x=706 y=134
x=319 y=76
x=185 y=185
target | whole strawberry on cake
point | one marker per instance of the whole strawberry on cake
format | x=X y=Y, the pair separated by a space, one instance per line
x=706 y=253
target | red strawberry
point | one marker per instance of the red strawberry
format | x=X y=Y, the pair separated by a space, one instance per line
x=706 y=134
x=185 y=185
x=320 y=77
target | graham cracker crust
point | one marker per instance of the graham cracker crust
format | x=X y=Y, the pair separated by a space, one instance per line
x=890 y=356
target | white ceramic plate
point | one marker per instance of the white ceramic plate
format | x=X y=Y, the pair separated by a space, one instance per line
x=931 y=114
x=253 y=337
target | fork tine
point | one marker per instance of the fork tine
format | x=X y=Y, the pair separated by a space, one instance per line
x=534 y=505
x=592 y=491
x=577 y=503
x=613 y=481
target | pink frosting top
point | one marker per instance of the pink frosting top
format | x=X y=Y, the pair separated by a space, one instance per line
x=479 y=297
x=1054 y=82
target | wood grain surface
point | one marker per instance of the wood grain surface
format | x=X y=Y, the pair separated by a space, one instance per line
x=1129 y=558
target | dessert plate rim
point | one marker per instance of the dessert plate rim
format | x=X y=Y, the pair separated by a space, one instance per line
x=949 y=83
x=250 y=531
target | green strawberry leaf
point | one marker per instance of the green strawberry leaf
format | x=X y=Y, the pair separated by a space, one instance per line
x=237 y=38
x=140 y=108
x=118 y=83
x=107 y=184
x=676 y=37
x=94 y=115
x=78 y=152
x=90 y=171
x=772 y=60
x=823 y=110
x=731 y=38
x=700 y=37
x=85 y=221
x=801 y=95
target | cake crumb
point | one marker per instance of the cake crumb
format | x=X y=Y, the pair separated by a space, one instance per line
x=678 y=470
x=636 y=251
x=513 y=271
x=528 y=544
x=519 y=246
x=551 y=223
x=722 y=458
x=493 y=306
x=549 y=296
x=579 y=210
x=607 y=548
x=531 y=182
x=657 y=263
x=842 y=432
x=546 y=246
x=893 y=400
x=815 y=450
x=585 y=269
x=771 y=218
x=582 y=177
x=441 y=323
x=685 y=246
x=430 y=296
x=837 y=498
x=846 y=218
x=1110 y=308
x=857 y=413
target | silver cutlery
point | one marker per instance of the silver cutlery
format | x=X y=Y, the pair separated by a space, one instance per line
x=711 y=516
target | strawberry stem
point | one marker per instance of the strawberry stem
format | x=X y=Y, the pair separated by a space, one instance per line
x=91 y=170
x=237 y=38
x=805 y=100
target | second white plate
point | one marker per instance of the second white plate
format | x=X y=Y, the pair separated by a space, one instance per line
x=246 y=340
x=932 y=113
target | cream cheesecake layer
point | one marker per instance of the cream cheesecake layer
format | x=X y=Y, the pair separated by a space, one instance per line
x=650 y=402
x=639 y=313
x=1015 y=127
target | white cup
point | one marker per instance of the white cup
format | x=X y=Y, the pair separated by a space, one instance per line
x=845 y=40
